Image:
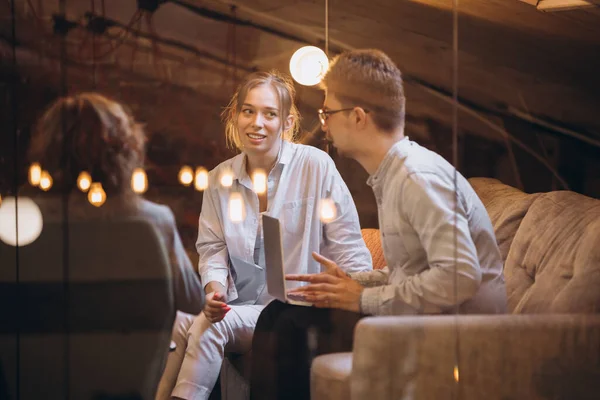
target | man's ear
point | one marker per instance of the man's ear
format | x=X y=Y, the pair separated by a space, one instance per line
x=360 y=117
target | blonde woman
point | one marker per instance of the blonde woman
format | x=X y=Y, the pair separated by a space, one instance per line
x=261 y=122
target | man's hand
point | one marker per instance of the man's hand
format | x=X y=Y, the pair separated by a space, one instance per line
x=215 y=306
x=329 y=289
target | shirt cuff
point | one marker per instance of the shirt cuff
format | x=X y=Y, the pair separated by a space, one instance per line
x=369 y=301
x=214 y=276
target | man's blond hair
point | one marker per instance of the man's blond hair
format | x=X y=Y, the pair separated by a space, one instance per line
x=368 y=78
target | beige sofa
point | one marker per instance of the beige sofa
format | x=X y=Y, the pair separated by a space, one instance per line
x=547 y=348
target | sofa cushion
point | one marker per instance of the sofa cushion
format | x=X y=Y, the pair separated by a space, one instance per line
x=554 y=261
x=506 y=207
x=372 y=239
x=330 y=376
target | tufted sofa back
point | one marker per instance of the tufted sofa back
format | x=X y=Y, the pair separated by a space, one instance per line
x=550 y=243
x=373 y=241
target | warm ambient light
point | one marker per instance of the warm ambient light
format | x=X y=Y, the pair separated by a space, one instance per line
x=308 y=65
x=139 y=181
x=259 y=181
x=327 y=210
x=84 y=180
x=237 y=211
x=35 y=174
x=201 y=179
x=45 y=181
x=30 y=221
x=456 y=373
x=227 y=179
x=186 y=175
x=96 y=195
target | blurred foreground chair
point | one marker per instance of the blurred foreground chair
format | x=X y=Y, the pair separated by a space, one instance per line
x=91 y=315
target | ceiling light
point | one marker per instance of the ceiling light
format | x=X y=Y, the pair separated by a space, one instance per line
x=308 y=65
x=564 y=5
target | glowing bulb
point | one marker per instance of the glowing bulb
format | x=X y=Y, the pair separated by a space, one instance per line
x=84 y=180
x=327 y=210
x=456 y=373
x=96 y=195
x=45 y=181
x=186 y=175
x=201 y=179
x=237 y=211
x=30 y=221
x=227 y=179
x=259 y=181
x=35 y=174
x=139 y=180
x=308 y=65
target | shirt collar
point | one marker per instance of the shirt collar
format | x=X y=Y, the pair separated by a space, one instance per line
x=238 y=164
x=383 y=167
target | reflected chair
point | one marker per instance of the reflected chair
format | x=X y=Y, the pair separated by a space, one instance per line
x=91 y=315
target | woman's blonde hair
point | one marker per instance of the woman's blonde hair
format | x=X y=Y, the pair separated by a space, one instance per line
x=368 y=78
x=286 y=92
x=88 y=132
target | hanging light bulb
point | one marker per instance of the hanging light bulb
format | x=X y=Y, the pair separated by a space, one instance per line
x=139 y=180
x=308 y=65
x=96 y=195
x=259 y=181
x=186 y=175
x=84 y=180
x=456 y=373
x=237 y=210
x=35 y=174
x=226 y=179
x=327 y=210
x=45 y=181
x=201 y=179
x=29 y=225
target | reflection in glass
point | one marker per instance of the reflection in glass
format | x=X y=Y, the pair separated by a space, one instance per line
x=96 y=195
x=201 y=179
x=35 y=174
x=45 y=181
x=186 y=175
x=139 y=181
x=237 y=211
x=30 y=221
x=227 y=179
x=84 y=180
x=259 y=181
x=327 y=210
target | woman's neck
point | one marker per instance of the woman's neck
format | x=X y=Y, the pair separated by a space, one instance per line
x=263 y=161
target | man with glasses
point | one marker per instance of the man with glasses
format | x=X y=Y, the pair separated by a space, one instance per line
x=437 y=237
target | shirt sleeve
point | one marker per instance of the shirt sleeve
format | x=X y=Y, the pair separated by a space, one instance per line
x=342 y=238
x=427 y=202
x=371 y=278
x=211 y=247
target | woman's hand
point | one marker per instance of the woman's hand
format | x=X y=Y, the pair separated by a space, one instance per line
x=215 y=306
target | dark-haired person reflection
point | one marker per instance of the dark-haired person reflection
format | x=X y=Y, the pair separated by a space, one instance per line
x=363 y=115
x=93 y=133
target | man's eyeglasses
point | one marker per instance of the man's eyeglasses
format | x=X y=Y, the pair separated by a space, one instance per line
x=324 y=114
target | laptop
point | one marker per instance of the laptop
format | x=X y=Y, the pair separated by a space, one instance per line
x=274 y=263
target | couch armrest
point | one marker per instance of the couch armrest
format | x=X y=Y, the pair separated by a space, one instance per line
x=499 y=357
